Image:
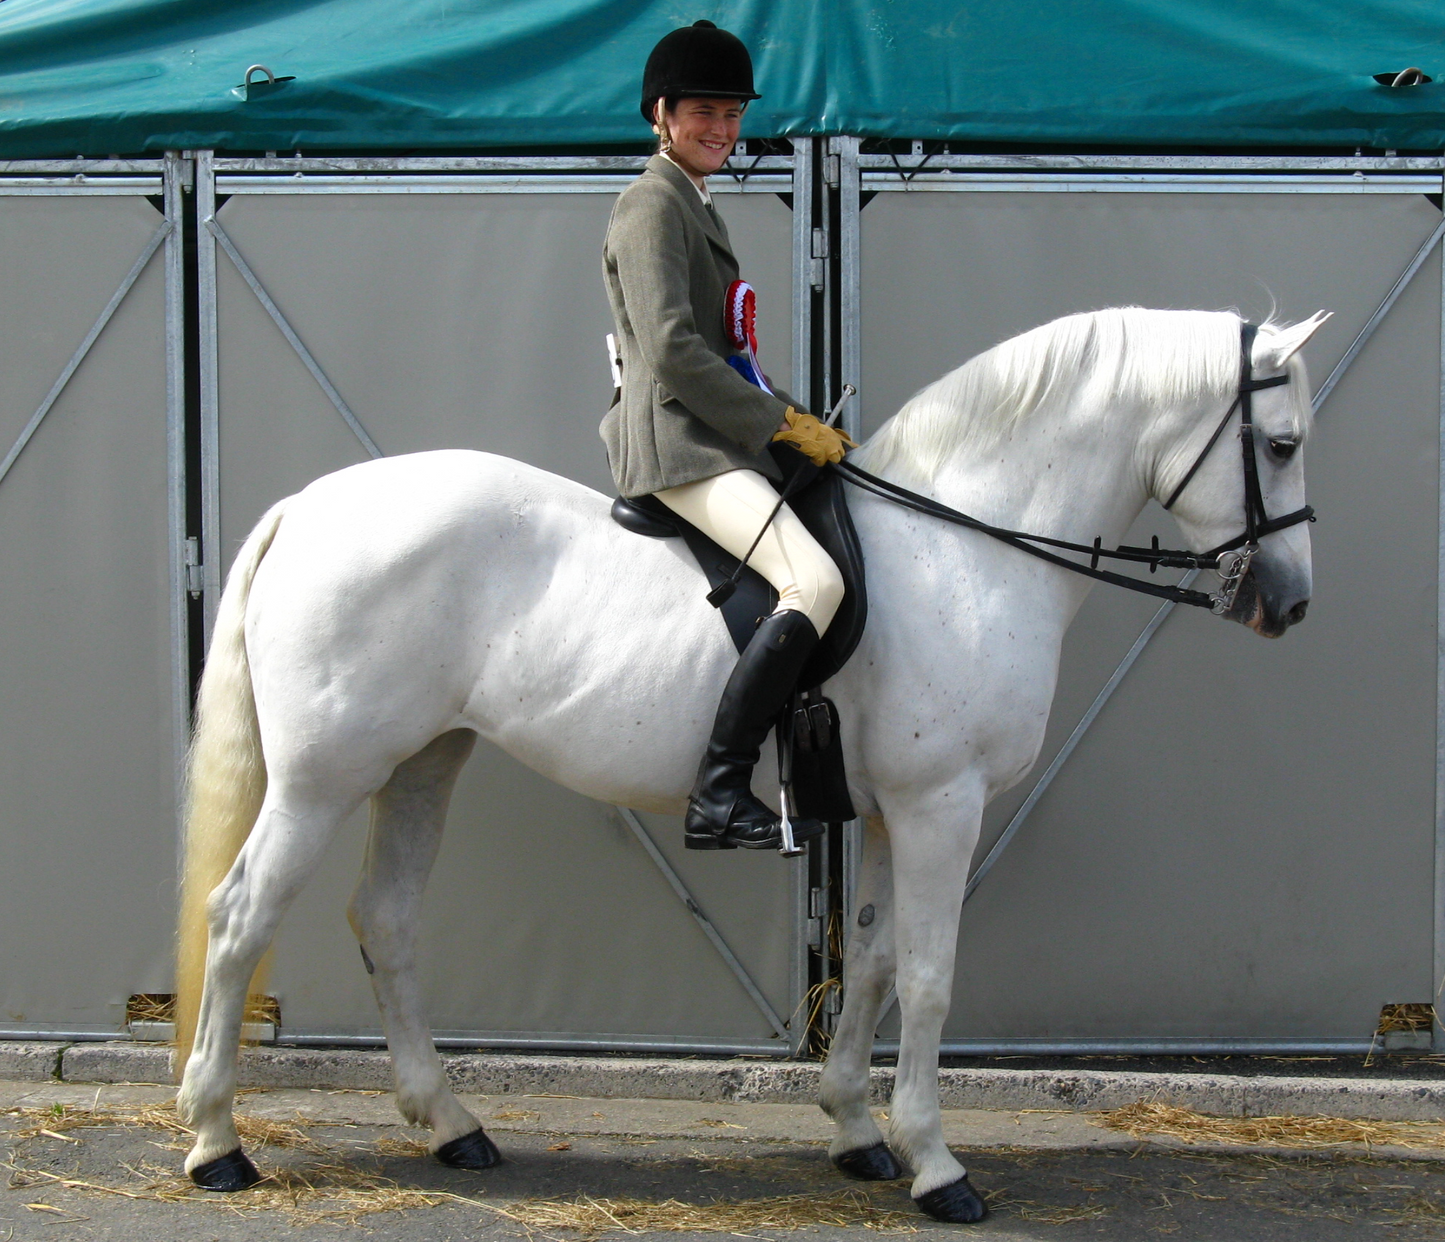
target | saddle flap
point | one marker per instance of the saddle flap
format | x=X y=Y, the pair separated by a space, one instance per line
x=821 y=503
x=646 y=515
x=818 y=497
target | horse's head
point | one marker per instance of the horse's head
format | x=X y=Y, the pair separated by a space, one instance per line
x=1273 y=591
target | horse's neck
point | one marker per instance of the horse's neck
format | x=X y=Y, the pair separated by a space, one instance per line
x=1076 y=476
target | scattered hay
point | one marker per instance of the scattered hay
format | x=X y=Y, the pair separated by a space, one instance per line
x=161 y=1007
x=591 y=1217
x=1060 y=1215
x=1420 y=1209
x=55 y=1121
x=339 y=1192
x=318 y=1192
x=517 y=1114
x=1151 y=1117
x=400 y=1147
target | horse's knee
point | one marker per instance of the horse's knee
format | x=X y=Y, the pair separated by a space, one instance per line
x=925 y=995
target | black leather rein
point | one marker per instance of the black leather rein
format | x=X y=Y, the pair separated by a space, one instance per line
x=1257 y=523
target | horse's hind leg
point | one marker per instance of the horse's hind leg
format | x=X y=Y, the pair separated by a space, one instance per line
x=290 y=835
x=858 y=1149
x=406 y=827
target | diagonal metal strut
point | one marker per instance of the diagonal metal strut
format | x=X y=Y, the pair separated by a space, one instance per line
x=162 y=232
x=360 y=432
x=645 y=840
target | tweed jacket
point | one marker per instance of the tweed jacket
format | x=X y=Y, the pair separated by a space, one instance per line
x=682 y=413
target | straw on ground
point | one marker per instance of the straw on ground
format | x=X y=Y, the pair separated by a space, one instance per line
x=1150 y=1117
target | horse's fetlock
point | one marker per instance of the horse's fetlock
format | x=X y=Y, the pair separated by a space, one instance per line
x=416 y=1110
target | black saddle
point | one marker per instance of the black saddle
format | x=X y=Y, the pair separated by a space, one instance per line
x=816 y=495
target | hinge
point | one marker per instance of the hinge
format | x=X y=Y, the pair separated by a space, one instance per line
x=817 y=902
x=832 y=171
x=195 y=571
x=819 y=254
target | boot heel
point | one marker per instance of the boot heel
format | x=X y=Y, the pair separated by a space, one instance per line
x=706 y=841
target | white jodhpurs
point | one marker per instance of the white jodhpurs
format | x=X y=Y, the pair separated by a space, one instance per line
x=731 y=508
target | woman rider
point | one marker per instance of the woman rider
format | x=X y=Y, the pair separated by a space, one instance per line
x=689 y=429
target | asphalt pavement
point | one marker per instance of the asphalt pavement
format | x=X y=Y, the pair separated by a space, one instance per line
x=102 y=1162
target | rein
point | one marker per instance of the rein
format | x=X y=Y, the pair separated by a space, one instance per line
x=1231 y=559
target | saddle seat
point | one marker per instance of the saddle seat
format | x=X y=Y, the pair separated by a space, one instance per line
x=819 y=500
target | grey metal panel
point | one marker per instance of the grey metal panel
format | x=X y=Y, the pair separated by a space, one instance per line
x=87 y=821
x=477 y=321
x=1242 y=846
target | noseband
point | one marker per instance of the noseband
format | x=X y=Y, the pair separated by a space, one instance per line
x=1231 y=560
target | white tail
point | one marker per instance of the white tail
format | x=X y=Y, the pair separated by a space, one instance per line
x=226 y=777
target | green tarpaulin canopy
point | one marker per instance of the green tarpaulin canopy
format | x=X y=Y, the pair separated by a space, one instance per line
x=96 y=77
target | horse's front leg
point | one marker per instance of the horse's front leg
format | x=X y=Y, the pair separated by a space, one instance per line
x=932 y=845
x=858 y=1148
x=407 y=817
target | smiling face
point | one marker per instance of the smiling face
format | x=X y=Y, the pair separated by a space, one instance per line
x=703 y=133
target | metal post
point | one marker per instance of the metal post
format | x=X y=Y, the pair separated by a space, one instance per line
x=850 y=363
x=850 y=369
x=1438 y=1032
x=177 y=170
x=206 y=365
x=802 y=268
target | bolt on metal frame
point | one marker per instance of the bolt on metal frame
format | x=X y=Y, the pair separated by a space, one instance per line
x=920 y=172
x=485 y=175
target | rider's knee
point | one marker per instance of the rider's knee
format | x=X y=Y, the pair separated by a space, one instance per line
x=827 y=595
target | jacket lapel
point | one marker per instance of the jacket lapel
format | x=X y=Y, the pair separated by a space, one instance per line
x=680 y=182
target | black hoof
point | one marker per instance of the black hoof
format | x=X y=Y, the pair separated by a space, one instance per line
x=233 y=1171
x=870 y=1164
x=958 y=1203
x=471 y=1151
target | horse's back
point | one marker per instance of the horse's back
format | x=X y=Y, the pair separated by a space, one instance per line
x=422 y=488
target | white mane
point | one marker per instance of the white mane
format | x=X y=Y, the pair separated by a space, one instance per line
x=1137 y=356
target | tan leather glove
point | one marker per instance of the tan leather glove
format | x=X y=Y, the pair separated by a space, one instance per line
x=818 y=442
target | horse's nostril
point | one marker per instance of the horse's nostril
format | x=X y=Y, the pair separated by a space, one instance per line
x=1297 y=613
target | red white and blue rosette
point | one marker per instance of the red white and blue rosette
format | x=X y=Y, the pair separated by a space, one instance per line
x=740 y=320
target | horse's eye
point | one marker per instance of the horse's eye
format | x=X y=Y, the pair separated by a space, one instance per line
x=1283 y=449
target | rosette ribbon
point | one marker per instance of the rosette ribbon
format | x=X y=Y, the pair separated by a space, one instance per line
x=740 y=320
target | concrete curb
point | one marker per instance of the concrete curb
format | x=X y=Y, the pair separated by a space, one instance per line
x=482 y=1073
x=30 y=1062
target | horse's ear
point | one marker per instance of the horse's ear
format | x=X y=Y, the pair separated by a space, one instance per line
x=1274 y=350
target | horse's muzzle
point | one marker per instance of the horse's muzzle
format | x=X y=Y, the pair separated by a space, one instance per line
x=1268 y=602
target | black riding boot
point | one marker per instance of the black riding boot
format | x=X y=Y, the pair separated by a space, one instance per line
x=722 y=812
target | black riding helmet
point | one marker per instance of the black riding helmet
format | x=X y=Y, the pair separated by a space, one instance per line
x=697 y=61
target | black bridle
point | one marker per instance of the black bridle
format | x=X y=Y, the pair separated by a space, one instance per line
x=1231 y=559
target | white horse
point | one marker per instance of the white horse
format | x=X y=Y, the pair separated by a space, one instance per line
x=377 y=622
